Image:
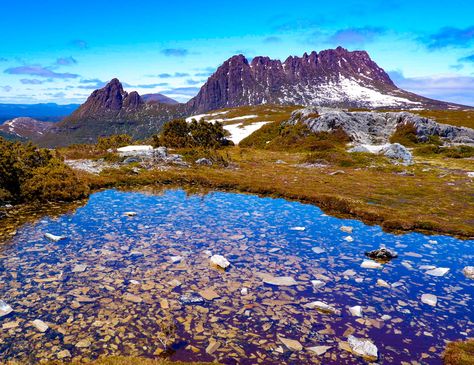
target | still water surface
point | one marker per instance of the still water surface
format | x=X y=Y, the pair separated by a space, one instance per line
x=112 y=283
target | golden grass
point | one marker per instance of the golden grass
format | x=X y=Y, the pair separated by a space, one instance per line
x=434 y=200
x=459 y=353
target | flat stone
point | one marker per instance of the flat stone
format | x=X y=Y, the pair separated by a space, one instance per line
x=292 y=345
x=429 y=299
x=348 y=239
x=132 y=298
x=318 y=250
x=54 y=238
x=369 y=264
x=317 y=284
x=83 y=344
x=79 y=268
x=319 y=350
x=213 y=346
x=10 y=325
x=209 y=294
x=439 y=271
x=383 y=283
x=175 y=259
x=297 y=228
x=63 y=354
x=40 y=325
x=277 y=280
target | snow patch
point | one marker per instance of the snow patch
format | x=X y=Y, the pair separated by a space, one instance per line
x=239 y=131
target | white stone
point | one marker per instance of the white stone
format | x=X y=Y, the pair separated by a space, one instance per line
x=356 y=311
x=324 y=307
x=297 y=228
x=386 y=317
x=40 y=325
x=244 y=291
x=369 y=264
x=221 y=261
x=348 y=239
x=277 y=280
x=5 y=309
x=54 y=238
x=468 y=271
x=429 y=299
x=363 y=347
x=439 y=271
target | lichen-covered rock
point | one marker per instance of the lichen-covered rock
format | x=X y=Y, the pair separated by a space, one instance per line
x=396 y=151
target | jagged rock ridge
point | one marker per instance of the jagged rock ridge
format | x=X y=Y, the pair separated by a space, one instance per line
x=334 y=77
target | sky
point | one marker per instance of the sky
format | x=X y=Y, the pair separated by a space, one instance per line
x=60 y=51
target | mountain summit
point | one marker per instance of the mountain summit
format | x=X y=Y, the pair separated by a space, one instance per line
x=334 y=77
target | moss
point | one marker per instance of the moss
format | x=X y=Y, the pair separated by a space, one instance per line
x=450 y=152
x=459 y=353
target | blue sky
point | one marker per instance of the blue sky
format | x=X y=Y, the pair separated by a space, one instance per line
x=60 y=51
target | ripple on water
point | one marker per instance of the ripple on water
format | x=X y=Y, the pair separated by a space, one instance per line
x=118 y=279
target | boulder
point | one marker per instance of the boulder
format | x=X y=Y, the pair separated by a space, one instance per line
x=382 y=254
x=398 y=152
x=204 y=162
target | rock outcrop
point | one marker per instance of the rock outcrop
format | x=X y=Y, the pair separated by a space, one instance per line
x=375 y=127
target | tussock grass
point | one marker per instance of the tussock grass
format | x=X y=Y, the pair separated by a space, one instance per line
x=459 y=353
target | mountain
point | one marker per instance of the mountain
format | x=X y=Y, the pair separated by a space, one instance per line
x=334 y=77
x=158 y=98
x=25 y=128
x=47 y=112
x=112 y=110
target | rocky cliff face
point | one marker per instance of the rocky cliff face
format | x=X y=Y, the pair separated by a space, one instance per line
x=334 y=77
x=376 y=128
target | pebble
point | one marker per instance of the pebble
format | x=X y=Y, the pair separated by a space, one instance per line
x=40 y=325
x=429 y=299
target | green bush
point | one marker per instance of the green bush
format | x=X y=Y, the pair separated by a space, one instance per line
x=115 y=141
x=180 y=134
x=450 y=152
x=299 y=137
x=405 y=134
x=30 y=173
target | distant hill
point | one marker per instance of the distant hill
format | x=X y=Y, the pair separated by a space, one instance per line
x=158 y=98
x=46 y=112
x=25 y=128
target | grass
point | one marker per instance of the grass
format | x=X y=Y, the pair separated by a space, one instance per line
x=433 y=200
x=459 y=353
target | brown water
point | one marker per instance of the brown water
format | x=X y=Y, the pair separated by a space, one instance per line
x=127 y=288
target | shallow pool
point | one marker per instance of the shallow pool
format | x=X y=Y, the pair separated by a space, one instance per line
x=126 y=285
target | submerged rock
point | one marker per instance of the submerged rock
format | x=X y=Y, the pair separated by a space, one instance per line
x=439 y=271
x=363 y=347
x=321 y=306
x=468 y=271
x=130 y=214
x=292 y=345
x=429 y=299
x=383 y=283
x=317 y=284
x=319 y=350
x=220 y=261
x=191 y=299
x=382 y=254
x=347 y=229
x=277 y=280
x=5 y=309
x=40 y=325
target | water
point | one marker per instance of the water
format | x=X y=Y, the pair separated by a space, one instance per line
x=128 y=291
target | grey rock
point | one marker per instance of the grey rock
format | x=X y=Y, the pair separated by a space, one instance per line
x=382 y=254
x=398 y=152
x=204 y=161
